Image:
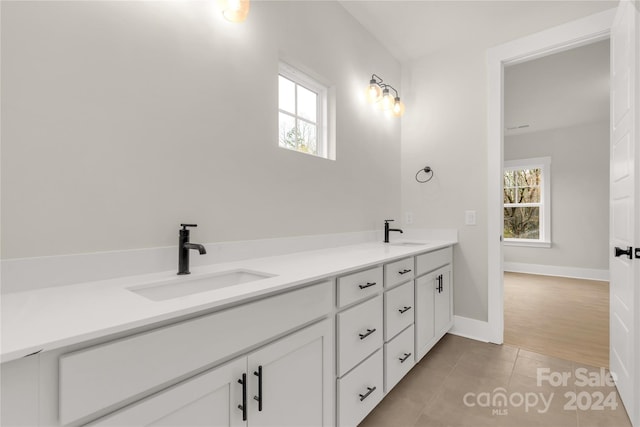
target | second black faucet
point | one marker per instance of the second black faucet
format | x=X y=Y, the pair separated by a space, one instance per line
x=387 y=230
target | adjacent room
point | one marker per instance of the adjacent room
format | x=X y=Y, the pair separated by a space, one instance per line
x=557 y=204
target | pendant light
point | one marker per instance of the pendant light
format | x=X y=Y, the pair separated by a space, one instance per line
x=235 y=10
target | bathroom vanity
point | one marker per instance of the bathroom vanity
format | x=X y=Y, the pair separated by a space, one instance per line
x=313 y=338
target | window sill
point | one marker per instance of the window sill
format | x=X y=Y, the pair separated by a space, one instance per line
x=525 y=243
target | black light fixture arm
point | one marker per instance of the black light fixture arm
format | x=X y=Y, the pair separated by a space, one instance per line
x=375 y=78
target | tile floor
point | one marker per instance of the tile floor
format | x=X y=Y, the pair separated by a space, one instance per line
x=433 y=393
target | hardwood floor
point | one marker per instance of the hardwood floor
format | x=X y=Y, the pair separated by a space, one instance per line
x=557 y=316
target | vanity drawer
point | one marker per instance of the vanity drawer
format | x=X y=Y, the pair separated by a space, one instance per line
x=399 y=358
x=357 y=286
x=432 y=260
x=398 y=272
x=107 y=374
x=360 y=391
x=359 y=333
x=399 y=309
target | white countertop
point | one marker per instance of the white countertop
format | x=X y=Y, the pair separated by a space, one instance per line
x=51 y=318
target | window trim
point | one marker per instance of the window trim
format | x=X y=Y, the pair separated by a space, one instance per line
x=544 y=163
x=322 y=117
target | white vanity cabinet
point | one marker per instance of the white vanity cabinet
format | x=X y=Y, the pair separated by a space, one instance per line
x=434 y=299
x=280 y=384
x=135 y=374
x=319 y=354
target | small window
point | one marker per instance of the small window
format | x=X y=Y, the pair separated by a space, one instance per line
x=527 y=220
x=302 y=113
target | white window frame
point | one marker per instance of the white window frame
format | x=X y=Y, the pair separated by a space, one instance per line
x=544 y=164
x=322 y=126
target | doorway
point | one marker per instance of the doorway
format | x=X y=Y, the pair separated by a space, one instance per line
x=556 y=215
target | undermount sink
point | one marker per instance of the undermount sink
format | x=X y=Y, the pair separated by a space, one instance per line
x=408 y=244
x=188 y=285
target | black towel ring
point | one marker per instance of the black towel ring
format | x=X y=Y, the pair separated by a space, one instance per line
x=426 y=170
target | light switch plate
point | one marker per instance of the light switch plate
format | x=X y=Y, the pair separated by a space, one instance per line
x=470 y=217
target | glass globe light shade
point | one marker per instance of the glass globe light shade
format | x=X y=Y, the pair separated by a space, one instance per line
x=398 y=107
x=374 y=92
x=386 y=103
x=235 y=10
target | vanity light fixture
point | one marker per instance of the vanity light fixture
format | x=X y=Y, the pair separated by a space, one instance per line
x=235 y=10
x=379 y=93
x=374 y=90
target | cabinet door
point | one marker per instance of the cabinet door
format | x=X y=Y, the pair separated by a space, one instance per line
x=19 y=386
x=210 y=399
x=425 y=332
x=443 y=302
x=296 y=373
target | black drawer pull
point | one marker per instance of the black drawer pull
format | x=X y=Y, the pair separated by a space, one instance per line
x=369 y=391
x=369 y=332
x=405 y=271
x=404 y=310
x=405 y=357
x=243 y=407
x=368 y=285
x=627 y=252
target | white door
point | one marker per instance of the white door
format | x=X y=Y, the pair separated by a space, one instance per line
x=210 y=399
x=625 y=209
x=290 y=380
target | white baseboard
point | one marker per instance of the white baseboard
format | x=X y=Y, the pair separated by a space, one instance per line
x=560 y=271
x=471 y=328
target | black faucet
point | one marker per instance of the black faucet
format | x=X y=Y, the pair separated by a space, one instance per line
x=387 y=230
x=183 y=249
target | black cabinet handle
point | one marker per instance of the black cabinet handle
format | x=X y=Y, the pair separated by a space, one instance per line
x=405 y=271
x=369 y=391
x=258 y=373
x=620 y=251
x=243 y=407
x=404 y=310
x=368 y=285
x=366 y=334
x=439 y=287
x=405 y=357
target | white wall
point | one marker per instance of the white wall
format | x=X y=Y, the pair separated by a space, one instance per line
x=579 y=195
x=445 y=127
x=122 y=119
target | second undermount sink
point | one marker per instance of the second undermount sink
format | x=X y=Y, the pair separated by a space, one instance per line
x=188 y=285
x=408 y=244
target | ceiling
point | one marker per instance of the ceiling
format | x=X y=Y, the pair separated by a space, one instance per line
x=411 y=30
x=560 y=90
x=565 y=89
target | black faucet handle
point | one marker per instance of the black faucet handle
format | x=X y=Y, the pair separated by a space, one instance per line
x=388 y=220
x=184 y=226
